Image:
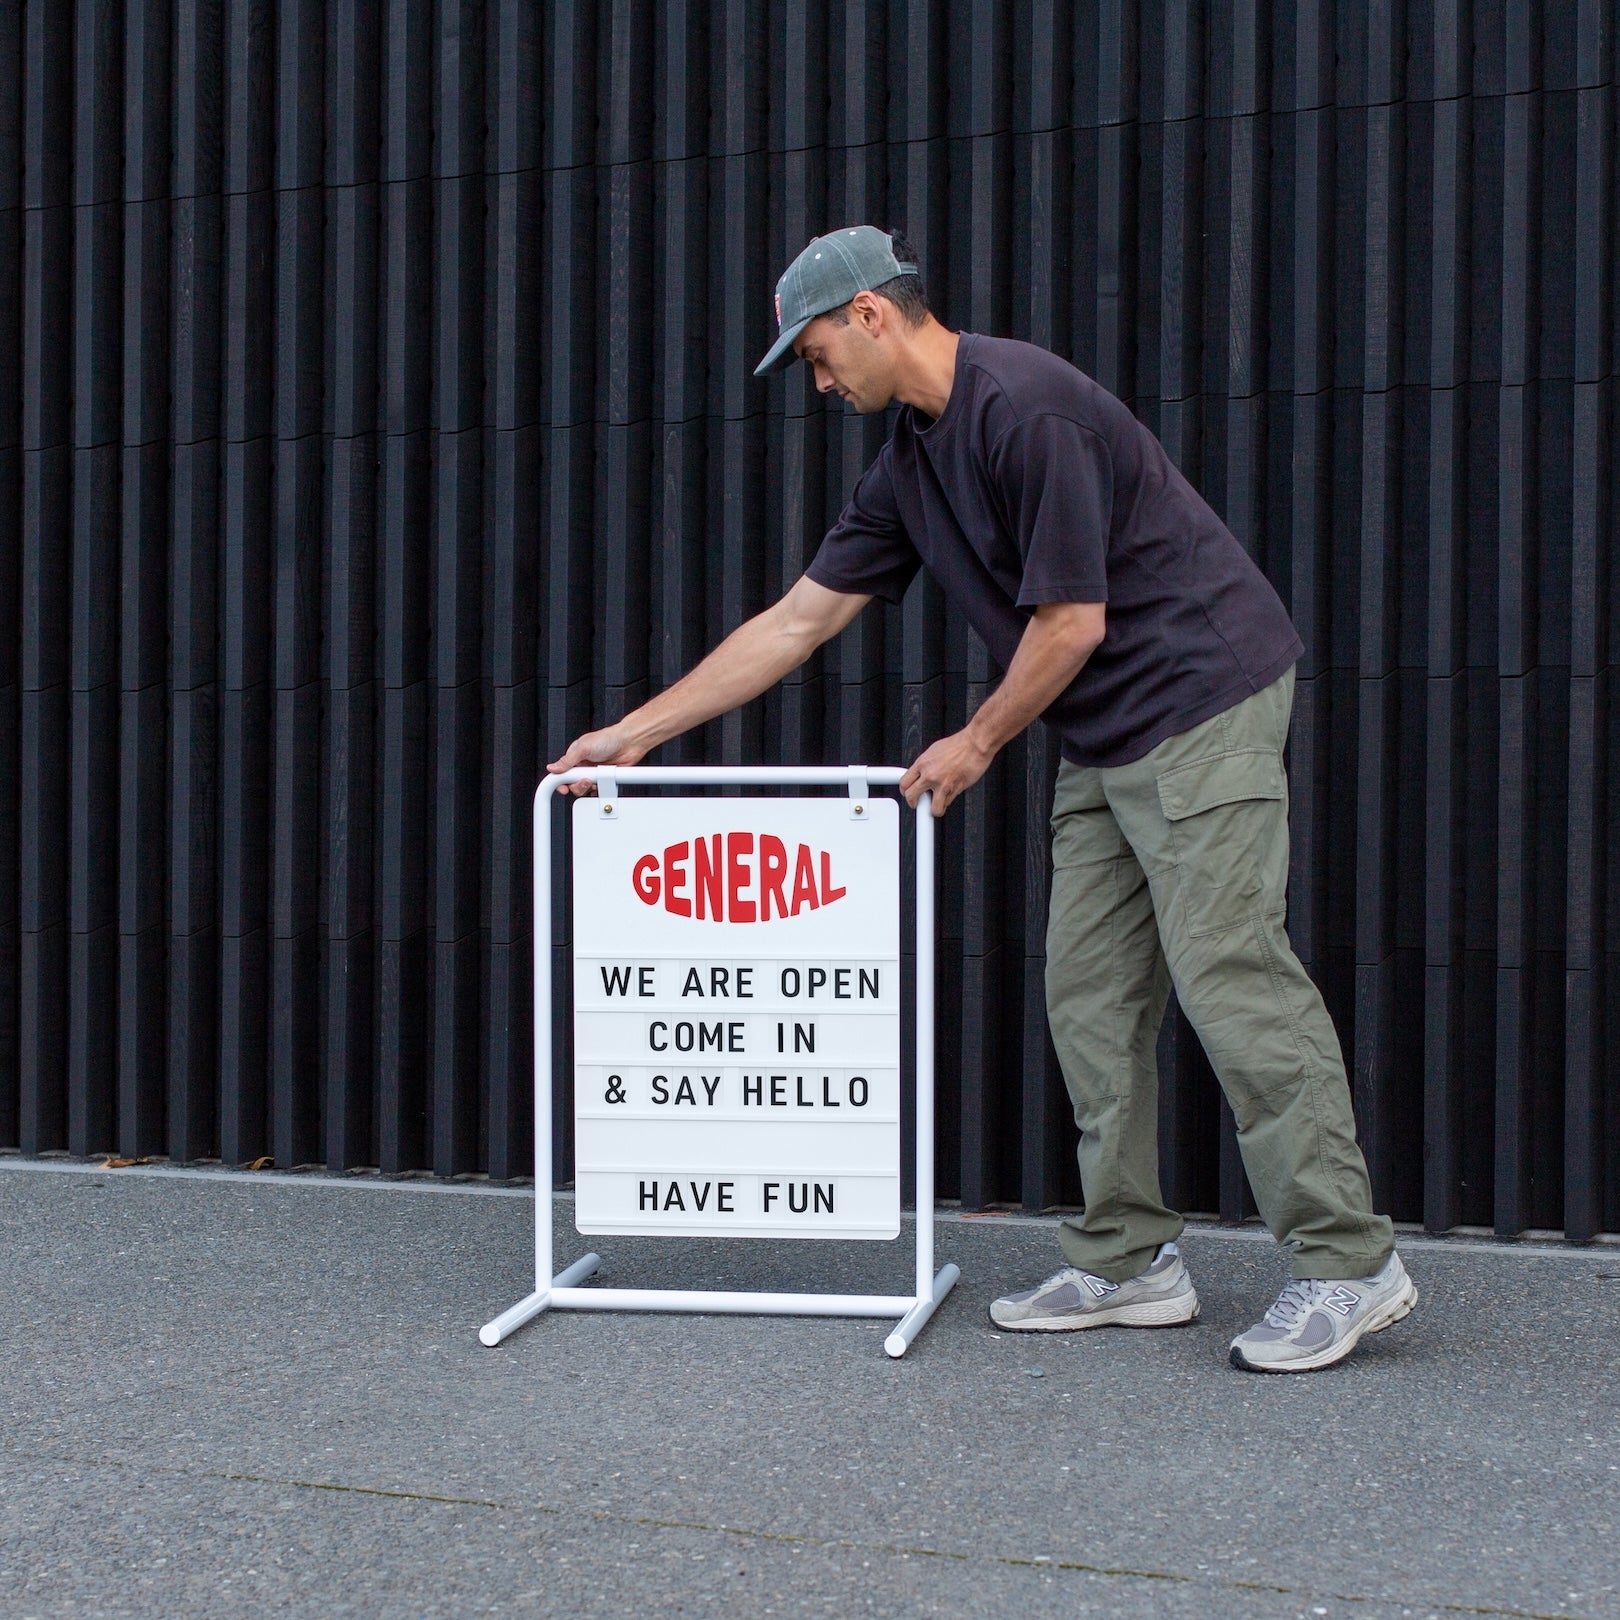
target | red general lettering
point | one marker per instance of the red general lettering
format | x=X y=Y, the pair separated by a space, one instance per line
x=804 y=882
x=773 y=865
x=645 y=879
x=739 y=873
x=675 y=879
x=708 y=877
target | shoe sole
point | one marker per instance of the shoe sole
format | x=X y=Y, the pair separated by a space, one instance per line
x=1387 y=1315
x=1172 y=1312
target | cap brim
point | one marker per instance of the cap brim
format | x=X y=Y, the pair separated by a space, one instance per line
x=781 y=353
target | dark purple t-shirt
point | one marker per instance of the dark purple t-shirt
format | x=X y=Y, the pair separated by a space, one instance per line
x=1037 y=485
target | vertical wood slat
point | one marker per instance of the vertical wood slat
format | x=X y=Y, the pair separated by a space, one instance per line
x=349 y=572
x=1113 y=312
x=1587 y=1119
x=1448 y=603
x=513 y=499
x=457 y=588
x=681 y=185
x=404 y=516
x=93 y=628
x=1378 y=685
x=47 y=402
x=141 y=1003
x=246 y=428
x=1519 y=679
x=738 y=336
x=11 y=328
x=298 y=855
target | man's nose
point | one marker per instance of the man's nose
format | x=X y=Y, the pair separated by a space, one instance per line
x=824 y=380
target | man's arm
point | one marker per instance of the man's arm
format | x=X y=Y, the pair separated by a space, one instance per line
x=1054 y=648
x=751 y=660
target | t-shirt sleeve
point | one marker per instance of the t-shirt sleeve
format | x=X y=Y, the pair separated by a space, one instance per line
x=867 y=551
x=1057 y=479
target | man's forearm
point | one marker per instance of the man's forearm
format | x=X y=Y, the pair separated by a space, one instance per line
x=1056 y=643
x=751 y=660
x=1053 y=650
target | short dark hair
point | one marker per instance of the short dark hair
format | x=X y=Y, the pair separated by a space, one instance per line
x=904 y=292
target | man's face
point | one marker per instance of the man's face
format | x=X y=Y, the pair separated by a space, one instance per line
x=851 y=359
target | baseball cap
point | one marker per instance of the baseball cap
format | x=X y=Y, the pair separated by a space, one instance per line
x=826 y=276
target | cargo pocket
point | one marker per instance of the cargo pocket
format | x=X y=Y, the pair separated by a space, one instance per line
x=1229 y=829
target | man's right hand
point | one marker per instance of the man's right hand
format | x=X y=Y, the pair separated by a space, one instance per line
x=610 y=746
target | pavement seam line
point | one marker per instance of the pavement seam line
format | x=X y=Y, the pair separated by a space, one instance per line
x=366 y=1490
x=649 y=1521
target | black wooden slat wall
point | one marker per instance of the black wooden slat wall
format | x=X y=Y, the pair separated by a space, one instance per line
x=377 y=411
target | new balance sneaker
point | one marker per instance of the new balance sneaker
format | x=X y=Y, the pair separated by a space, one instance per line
x=1162 y=1296
x=1314 y=1324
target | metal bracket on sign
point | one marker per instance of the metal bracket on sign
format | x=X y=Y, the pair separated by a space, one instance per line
x=607 y=792
x=859 y=793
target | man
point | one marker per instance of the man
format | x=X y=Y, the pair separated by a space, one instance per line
x=1126 y=615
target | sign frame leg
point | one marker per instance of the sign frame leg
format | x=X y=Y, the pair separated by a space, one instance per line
x=561 y=1290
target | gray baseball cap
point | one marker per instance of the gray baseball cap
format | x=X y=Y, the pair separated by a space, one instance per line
x=826 y=276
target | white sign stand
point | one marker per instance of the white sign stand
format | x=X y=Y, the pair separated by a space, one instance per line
x=561 y=1291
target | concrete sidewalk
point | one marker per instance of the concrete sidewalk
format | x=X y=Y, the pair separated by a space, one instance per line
x=232 y=1395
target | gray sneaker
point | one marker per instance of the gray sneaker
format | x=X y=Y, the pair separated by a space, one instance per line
x=1314 y=1324
x=1162 y=1296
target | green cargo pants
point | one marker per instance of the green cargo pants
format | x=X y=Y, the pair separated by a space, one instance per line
x=1174 y=870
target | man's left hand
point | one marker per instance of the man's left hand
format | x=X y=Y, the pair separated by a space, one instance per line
x=947 y=769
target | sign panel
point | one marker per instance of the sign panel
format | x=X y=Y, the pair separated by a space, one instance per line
x=737 y=1017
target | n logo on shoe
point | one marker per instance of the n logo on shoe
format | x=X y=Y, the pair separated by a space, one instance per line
x=1100 y=1286
x=1342 y=1300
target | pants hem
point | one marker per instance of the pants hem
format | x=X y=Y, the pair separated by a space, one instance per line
x=1332 y=1268
x=1073 y=1242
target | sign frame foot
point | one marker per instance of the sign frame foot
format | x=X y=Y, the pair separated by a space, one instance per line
x=509 y=1321
x=916 y=1319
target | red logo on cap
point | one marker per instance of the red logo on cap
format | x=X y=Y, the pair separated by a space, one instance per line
x=779 y=312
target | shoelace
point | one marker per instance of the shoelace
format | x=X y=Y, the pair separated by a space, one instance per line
x=1070 y=1274
x=1062 y=1275
x=1294 y=1302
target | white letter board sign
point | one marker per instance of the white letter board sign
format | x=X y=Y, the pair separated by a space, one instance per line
x=737 y=1017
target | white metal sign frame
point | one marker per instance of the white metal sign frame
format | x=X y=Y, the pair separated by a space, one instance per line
x=561 y=1291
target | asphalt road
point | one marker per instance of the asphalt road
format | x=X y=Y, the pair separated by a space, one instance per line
x=265 y=1395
